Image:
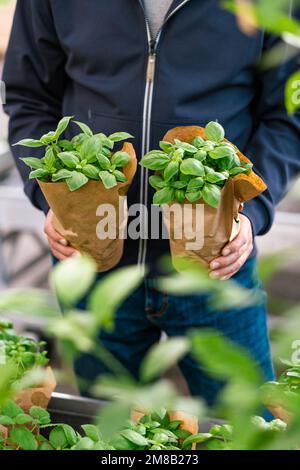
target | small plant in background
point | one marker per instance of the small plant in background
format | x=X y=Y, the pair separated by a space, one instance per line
x=24 y=353
x=199 y=170
x=86 y=157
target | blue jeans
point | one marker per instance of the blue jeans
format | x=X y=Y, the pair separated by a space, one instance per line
x=147 y=313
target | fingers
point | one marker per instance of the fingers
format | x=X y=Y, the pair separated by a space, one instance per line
x=237 y=244
x=231 y=269
x=61 y=250
x=58 y=244
x=235 y=254
x=50 y=231
x=225 y=261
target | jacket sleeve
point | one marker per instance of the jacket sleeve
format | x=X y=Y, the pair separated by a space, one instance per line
x=35 y=80
x=274 y=147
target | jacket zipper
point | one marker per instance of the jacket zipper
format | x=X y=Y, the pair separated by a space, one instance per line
x=147 y=115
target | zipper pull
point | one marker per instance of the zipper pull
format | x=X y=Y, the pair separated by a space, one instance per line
x=151 y=67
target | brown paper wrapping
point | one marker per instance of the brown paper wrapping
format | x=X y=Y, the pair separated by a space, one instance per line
x=280 y=413
x=76 y=219
x=189 y=423
x=37 y=396
x=220 y=225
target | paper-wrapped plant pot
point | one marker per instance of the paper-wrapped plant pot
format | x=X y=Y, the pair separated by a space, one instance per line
x=77 y=215
x=39 y=395
x=189 y=423
x=219 y=225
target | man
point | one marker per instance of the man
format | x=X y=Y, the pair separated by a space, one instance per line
x=144 y=67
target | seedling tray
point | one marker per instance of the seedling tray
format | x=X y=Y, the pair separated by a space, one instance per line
x=76 y=411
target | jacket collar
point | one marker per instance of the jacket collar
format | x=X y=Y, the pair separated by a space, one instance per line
x=175 y=4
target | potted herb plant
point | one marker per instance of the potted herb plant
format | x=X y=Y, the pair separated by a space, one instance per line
x=277 y=394
x=25 y=354
x=198 y=166
x=76 y=177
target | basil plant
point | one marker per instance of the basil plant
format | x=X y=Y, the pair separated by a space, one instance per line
x=85 y=157
x=190 y=172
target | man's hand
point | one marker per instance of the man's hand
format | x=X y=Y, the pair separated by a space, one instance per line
x=59 y=246
x=235 y=254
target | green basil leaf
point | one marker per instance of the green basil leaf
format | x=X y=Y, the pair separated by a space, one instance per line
x=11 y=409
x=235 y=161
x=214 y=131
x=182 y=433
x=166 y=146
x=193 y=167
x=62 y=126
x=65 y=145
x=79 y=140
x=134 y=437
x=85 y=129
x=211 y=195
x=91 y=172
x=39 y=174
x=198 y=142
x=185 y=146
x=171 y=171
x=200 y=155
x=157 y=182
x=224 y=163
x=85 y=443
x=195 y=184
x=57 y=438
x=92 y=432
x=193 y=196
x=175 y=424
x=185 y=178
x=208 y=170
x=120 y=176
x=155 y=160
x=23 y=418
x=48 y=138
x=70 y=434
x=180 y=195
x=237 y=170
x=196 y=439
x=209 y=145
x=23 y=438
x=119 y=136
x=62 y=175
x=35 y=163
x=30 y=143
x=103 y=161
x=215 y=177
x=164 y=196
x=40 y=413
x=6 y=421
x=90 y=148
x=105 y=141
x=106 y=152
x=49 y=159
x=178 y=155
x=108 y=180
x=76 y=181
x=220 y=152
x=248 y=166
x=179 y=184
x=69 y=159
x=120 y=159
